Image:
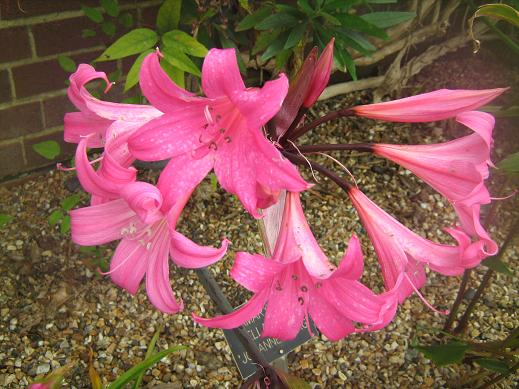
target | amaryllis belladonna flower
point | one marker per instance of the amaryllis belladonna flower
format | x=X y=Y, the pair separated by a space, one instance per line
x=400 y=251
x=221 y=131
x=145 y=227
x=299 y=282
x=457 y=169
x=438 y=105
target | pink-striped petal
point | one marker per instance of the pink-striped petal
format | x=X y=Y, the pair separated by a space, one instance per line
x=254 y=272
x=128 y=264
x=145 y=200
x=221 y=74
x=188 y=254
x=79 y=124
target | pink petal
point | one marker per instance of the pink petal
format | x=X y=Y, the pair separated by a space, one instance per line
x=352 y=264
x=188 y=254
x=160 y=91
x=82 y=76
x=328 y=320
x=158 y=286
x=254 y=272
x=144 y=199
x=221 y=74
x=181 y=176
x=284 y=315
x=167 y=136
x=235 y=319
x=79 y=124
x=481 y=123
x=128 y=264
x=249 y=158
x=438 y=105
x=102 y=223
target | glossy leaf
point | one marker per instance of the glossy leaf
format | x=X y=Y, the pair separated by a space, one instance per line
x=70 y=202
x=494 y=365
x=5 y=219
x=67 y=63
x=126 y=19
x=282 y=58
x=93 y=14
x=253 y=19
x=133 y=74
x=179 y=40
x=65 y=225
x=500 y=12
x=510 y=164
x=149 y=353
x=278 y=20
x=132 y=373
x=133 y=42
x=177 y=75
x=264 y=40
x=48 y=149
x=295 y=36
x=497 y=265
x=357 y=23
x=444 y=354
x=168 y=16
x=87 y=33
x=275 y=47
x=306 y=7
x=388 y=19
x=181 y=61
x=110 y=6
x=108 y=28
x=55 y=217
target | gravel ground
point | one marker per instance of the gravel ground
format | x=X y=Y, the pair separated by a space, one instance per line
x=55 y=307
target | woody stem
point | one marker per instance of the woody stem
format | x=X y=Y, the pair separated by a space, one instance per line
x=323 y=119
x=336 y=147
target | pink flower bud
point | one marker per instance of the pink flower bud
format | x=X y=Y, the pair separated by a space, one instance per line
x=321 y=75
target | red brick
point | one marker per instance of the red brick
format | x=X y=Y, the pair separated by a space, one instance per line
x=20 y=120
x=63 y=35
x=55 y=108
x=15 y=44
x=11 y=159
x=46 y=76
x=14 y=9
x=35 y=160
x=5 y=87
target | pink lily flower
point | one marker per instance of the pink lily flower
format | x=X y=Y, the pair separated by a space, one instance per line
x=321 y=75
x=438 y=105
x=146 y=230
x=456 y=169
x=299 y=282
x=221 y=131
x=401 y=251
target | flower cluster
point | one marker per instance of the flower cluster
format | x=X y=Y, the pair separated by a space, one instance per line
x=246 y=136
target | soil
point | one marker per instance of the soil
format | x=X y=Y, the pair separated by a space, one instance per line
x=55 y=307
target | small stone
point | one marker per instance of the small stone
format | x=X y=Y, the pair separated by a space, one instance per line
x=43 y=368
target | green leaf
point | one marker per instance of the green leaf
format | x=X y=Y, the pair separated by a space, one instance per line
x=500 y=12
x=110 y=6
x=168 y=16
x=181 y=61
x=296 y=34
x=133 y=74
x=4 y=219
x=253 y=19
x=305 y=6
x=510 y=164
x=497 y=265
x=275 y=47
x=115 y=75
x=278 y=20
x=65 y=225
x=133 y=42
x=214 y=181
x=444 y=354
x=108 y=28
x=228 y=44
x=184 y=42
x=93 y=14
x=245 y=5
x=87 y=33
x=494 y=365
x=67 y=63
x=345 y=63
x=126 y=19
x=356 y=41
x=132 y=100
x=177 y=75
x=87 y=249
x=70 y=202
x=330 y=18
x=48 y=149
x=282 y=58
x=382 y=1
x=355 y=22
x=388 y=19
x=132 y=373
x=149 y=353
x=291 y=381
x=264 y=40
x=55 y=217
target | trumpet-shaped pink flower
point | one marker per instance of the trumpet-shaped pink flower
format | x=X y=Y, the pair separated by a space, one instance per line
x=299 y=282
x=438 y=105
x=457 y=169
x=401 y=251
x=146 y=230
x=222 y=131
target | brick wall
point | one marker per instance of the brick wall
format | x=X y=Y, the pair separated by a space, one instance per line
x=32 y=84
